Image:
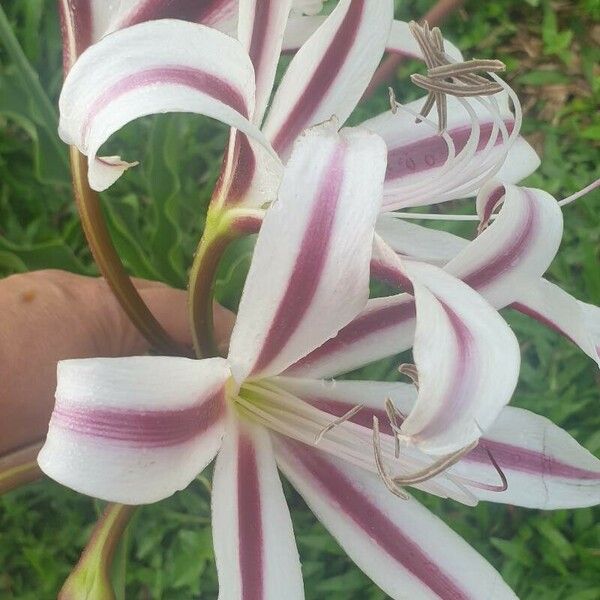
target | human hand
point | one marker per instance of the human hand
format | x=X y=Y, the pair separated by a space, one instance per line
x=47 y=316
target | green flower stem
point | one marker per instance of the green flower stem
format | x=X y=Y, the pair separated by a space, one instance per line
x=222 y=227
x=109 y=262
x=91 y=577
x=30 y=79
x=19 y=468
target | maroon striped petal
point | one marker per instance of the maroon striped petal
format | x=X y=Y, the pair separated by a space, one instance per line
x=261 y=27
x=330 y=72
x=313 y=251
x=539 y=299
x=384 y=327
x=219 y=14
x=154 y=67
x=254 y=543
x=419 y=243
x=543 y=465
x=421 y=169
x=134 y=430
x=516 y=249
x=260 y=30
x=402 y=547
x=467 y=358
x=400 y=40
x=553 y=307
x=85 y=22
x=502 y=264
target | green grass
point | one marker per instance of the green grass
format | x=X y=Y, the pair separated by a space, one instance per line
x=156 y=214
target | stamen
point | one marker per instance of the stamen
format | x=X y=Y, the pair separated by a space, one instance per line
x=503 y=479
x=385 y=477
x=580 y=193
x=435 y=468
x=395 y=417
x=410 y=370
x=447 y=77
x=468 y=67
x=345 y=417
x=460 y=479
x=454 y=89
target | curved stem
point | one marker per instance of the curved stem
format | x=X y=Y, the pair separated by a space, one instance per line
x=19 y=468
x=109 y=262
x=221 y=229
x=90 y=578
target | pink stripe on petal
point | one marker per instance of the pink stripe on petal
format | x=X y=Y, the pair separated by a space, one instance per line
x=202 y=11
x=508 y=456
x=492 y=200
x=250 y=521
x=511 y=255
x=311 y=259
x=201 y=81
x=244 y=168
x=140 y=428
x=364 y=326
x=367 y=516
x=515 y=458
x=432 y=152
x=458 y=389
x=322 y=79
x=76 y=29
x=526 y=310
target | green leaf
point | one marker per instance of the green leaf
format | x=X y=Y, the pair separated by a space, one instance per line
x=49 y=255
x=164 y=186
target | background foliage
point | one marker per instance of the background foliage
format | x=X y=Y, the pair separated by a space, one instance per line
x=156 y=215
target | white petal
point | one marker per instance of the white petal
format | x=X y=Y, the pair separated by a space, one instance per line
x=134 y=430
x=515 y=250
x=422 y=171
x=254 y=543
x=400 y=40
x=155 y=67
x=310 y=269
x=260 y=29
x=553 y=307
x=501 y=264
x=218 y=14
x=417 y=242
x=330 y=72
x=402 y=547
x=83 y=22
x=385 y=327
x=468 y=362
x=544 y=466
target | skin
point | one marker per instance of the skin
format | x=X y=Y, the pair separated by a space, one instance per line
x=51 y=315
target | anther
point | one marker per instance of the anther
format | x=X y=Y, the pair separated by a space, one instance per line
x=379 y=463
x=395 y=417
x=410 y=370
x=504 y=486
x=435 y=468
x=445 y=77
x=345 y=417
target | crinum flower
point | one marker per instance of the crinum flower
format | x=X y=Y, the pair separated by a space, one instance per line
x=394 y=435
x=135 y=430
